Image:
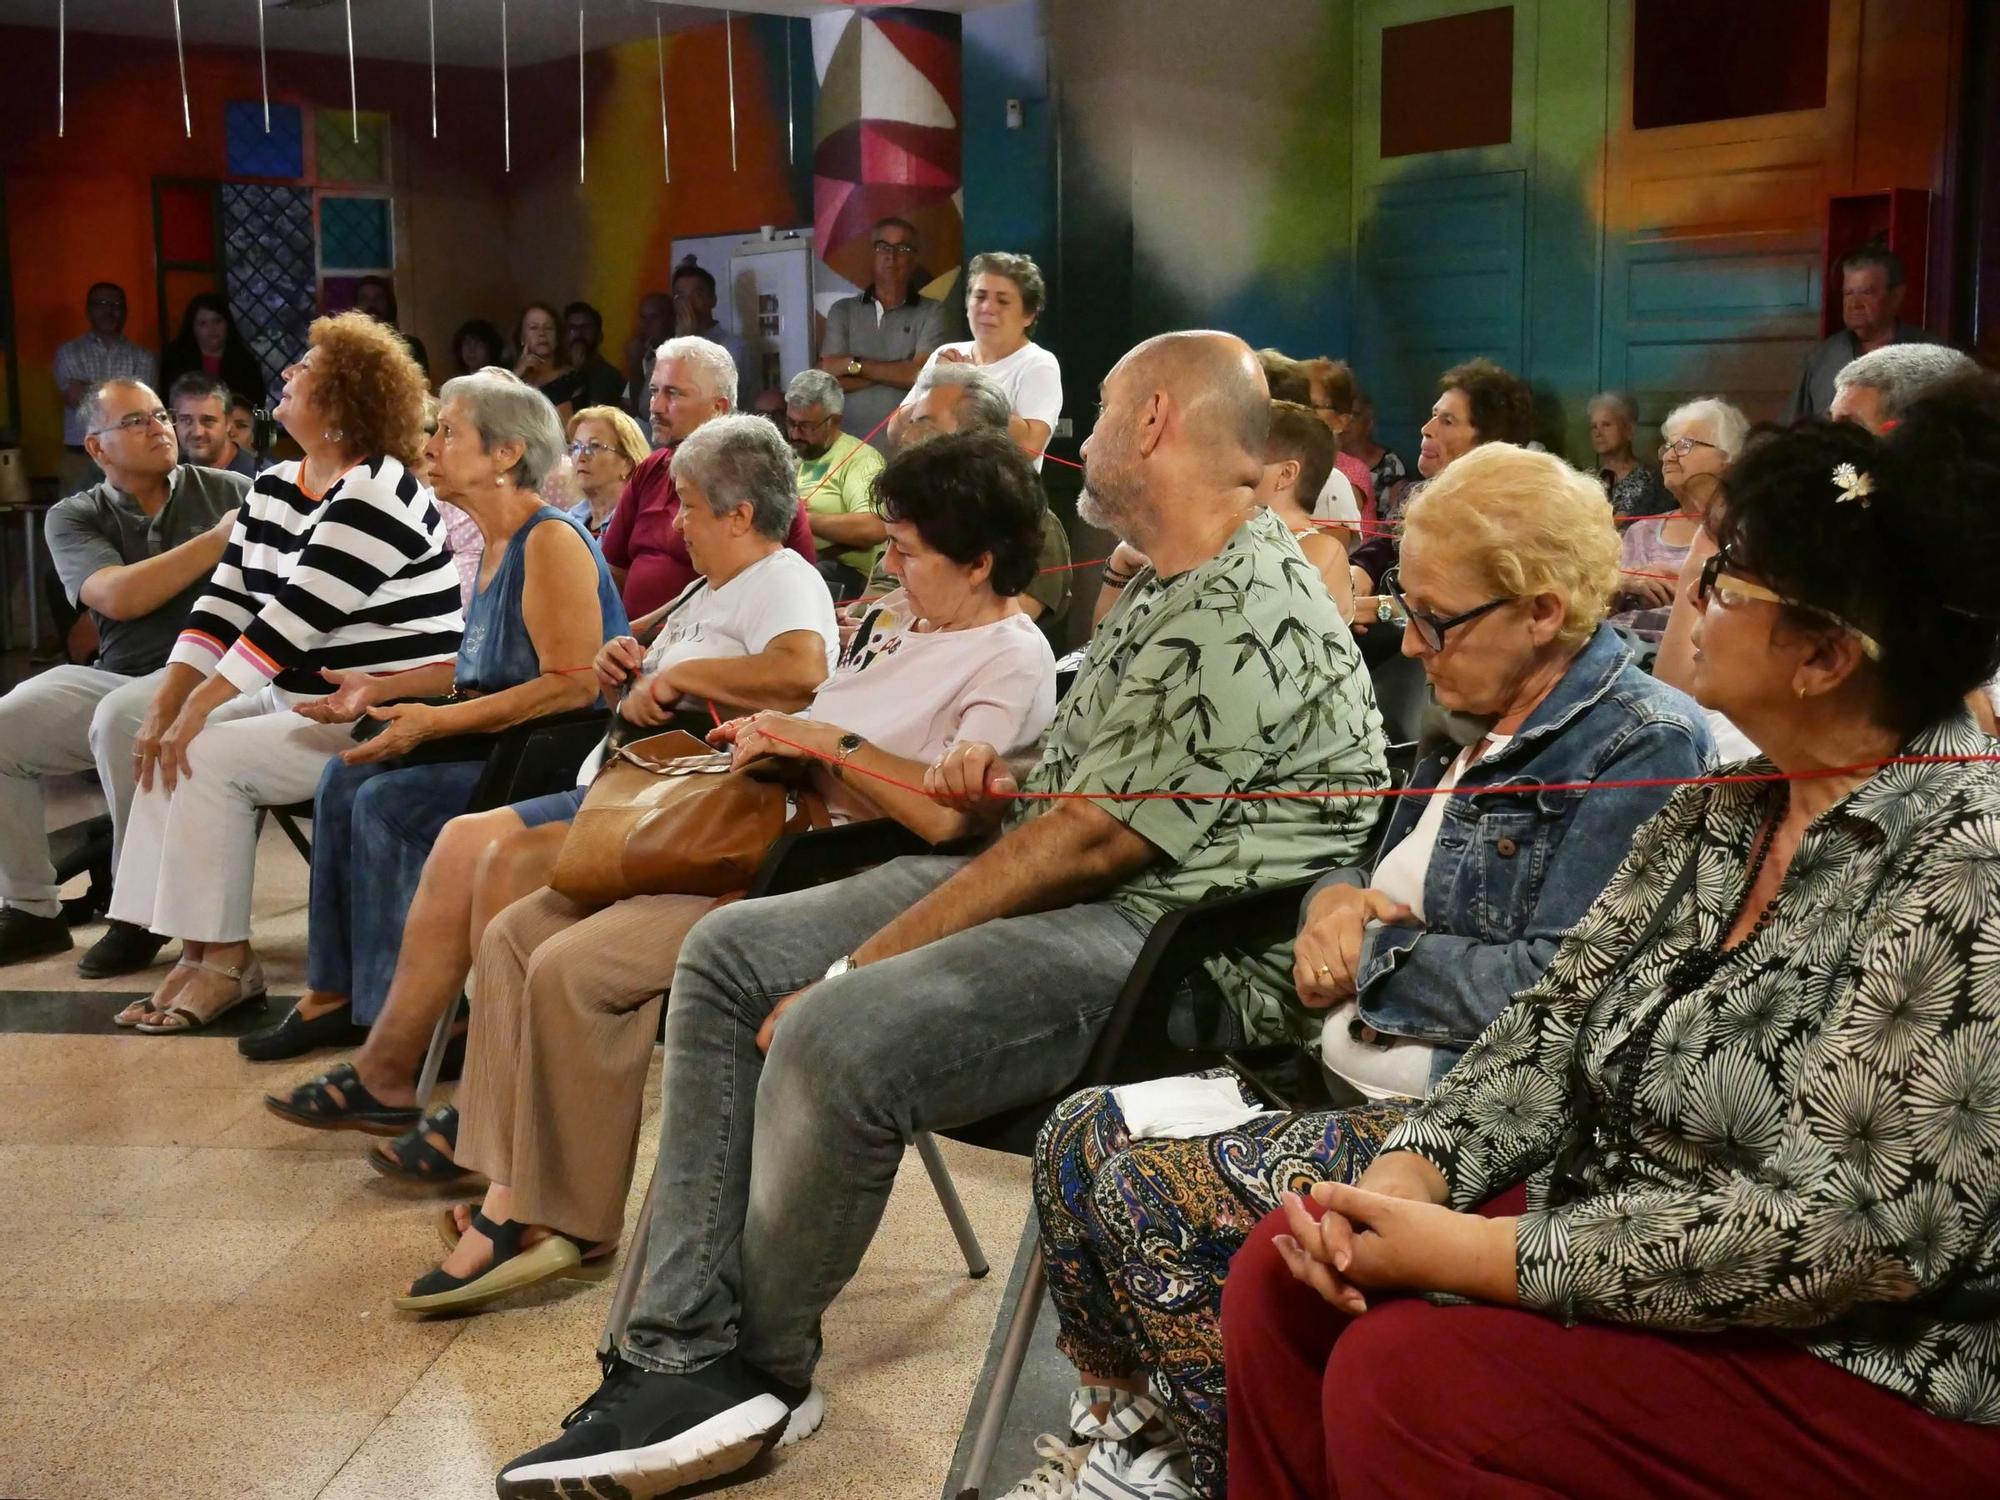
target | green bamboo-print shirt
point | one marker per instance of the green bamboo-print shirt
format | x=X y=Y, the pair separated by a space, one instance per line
x=1236 y=676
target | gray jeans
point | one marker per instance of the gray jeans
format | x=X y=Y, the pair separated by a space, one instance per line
x=774 y=1171
x=65 y=720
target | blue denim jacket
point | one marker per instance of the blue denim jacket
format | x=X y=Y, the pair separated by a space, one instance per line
x=1510 y=874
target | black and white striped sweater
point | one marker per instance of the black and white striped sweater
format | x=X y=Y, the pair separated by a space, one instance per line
x=357 y=578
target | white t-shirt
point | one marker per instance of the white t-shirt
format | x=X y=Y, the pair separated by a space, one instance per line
x=1336 y=501
x=772 y=597
x=1391 y=1066
x=914 y=693
x=1030 y=376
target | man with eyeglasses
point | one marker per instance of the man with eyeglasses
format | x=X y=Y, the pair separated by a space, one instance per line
x=876 y=343
x=136 y=550
x=104 y=353
x=836 y=483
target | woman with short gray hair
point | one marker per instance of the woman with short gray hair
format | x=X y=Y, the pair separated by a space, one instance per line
x=530 y=634
x=1632 y=484
x=1004 y=295
x=1700 y=440
x=755 y=630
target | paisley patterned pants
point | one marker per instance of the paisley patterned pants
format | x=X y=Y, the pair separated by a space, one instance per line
x=1138 y=1236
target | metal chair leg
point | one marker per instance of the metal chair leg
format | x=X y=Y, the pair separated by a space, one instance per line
x=630 y=1273
x=1006 y=1376
x=954 y=1211
x=290 y=829
x=427 y=1080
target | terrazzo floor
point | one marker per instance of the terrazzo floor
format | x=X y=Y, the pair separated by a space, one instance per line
x=194 y=1294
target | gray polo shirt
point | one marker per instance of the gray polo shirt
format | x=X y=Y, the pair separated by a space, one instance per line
x=1829 y=357
x=861 y=328
x=103 y=527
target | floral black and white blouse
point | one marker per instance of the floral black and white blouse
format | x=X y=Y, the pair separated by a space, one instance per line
x=1811 y=1141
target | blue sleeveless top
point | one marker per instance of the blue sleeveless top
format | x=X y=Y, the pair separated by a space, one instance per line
x=496 y=651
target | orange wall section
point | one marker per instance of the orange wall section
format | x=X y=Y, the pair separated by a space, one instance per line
x=473 y=240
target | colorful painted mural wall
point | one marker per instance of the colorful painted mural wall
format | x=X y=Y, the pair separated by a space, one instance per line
x=473 y=239
x=1336 y=176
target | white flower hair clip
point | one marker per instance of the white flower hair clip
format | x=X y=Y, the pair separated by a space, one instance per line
x=1852 y=484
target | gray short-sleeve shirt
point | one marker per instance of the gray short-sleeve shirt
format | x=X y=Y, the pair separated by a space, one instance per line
x=103 y=527
x=854 y=329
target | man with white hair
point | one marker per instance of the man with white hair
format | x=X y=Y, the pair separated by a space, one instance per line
x=694 y=381
x=1875 y=390
x=836 y=482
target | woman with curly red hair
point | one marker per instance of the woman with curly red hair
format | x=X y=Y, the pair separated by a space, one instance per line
x=337 y=562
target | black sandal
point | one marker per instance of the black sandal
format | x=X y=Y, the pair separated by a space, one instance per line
x=313 y=1105
x=513 y=1269
x=413 y=1157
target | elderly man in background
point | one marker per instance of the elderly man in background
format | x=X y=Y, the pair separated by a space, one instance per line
x=809 y=1036
x=694 y=381
x=1871 y=298
x=836 y=482
x=135 y=550
x=201 y=422
x=104 y=353
x=962 y=398
x=876 y=342
x=1876 y=389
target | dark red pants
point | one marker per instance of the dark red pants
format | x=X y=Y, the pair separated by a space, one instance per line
x=1434 y=1403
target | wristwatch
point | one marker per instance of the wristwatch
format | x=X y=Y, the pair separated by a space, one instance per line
x=838 y=967
x=1385 y=610
x=845 y=746
x=853 y=366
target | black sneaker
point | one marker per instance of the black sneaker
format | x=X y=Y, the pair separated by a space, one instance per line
x=642 y=1434
x=125 y=948
x=23 y=935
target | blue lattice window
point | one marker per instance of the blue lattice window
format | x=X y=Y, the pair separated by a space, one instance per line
x=255 y=152
x=270 y=271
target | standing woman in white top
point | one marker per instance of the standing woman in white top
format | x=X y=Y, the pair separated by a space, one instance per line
x=1509 y=562
x=336 y=562
x=1004 y=294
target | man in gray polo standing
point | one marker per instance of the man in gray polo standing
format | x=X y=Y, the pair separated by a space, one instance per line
x=135 y=550
x=877 y=342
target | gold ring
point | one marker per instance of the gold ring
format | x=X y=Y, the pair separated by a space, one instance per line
x=1323 y=969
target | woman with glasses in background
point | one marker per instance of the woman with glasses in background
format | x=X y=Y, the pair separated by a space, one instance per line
x=1701 y=440
x=1509 y=562
x=605 y=446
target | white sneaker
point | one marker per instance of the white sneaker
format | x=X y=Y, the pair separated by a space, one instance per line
x=1055 y=1477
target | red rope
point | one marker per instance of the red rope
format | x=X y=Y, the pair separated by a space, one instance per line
x=1646 y=783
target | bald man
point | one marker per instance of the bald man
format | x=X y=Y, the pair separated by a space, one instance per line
x=808 y=1037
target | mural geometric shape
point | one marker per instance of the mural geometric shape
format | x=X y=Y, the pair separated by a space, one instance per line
x=886 y=134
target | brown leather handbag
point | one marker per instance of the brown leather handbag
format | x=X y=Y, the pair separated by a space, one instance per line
x=667 y=815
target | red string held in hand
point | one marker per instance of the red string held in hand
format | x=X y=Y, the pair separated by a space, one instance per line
x=1506 y=789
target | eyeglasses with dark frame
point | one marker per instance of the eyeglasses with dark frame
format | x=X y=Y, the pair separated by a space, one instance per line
x=1729 y=589
x=1682 y=446
x=890 y=247
x=136 y=421
x=1430 y=628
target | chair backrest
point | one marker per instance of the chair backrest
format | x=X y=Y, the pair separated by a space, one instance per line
x=1402 y=693
x=536 y=758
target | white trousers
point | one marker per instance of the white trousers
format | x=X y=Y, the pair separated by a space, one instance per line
x=190 y=857
x=59 y=722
